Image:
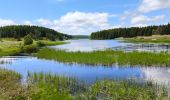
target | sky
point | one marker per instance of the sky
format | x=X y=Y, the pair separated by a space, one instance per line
x=82 y=17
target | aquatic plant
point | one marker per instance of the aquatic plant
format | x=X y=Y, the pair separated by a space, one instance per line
x=41 y=86
x=57 y=87
x=10 y=86
x=107 y=57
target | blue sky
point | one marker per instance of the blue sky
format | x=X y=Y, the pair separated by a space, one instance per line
x=84 y=16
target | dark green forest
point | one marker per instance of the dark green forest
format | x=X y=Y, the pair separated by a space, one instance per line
x=36 y=32
x=131 y=32
x=81 y=36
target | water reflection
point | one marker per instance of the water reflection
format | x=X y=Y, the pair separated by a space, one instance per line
x=87 y=73
x=86 y=45
x=91 y=45
x=160 y=75
x=144 y=47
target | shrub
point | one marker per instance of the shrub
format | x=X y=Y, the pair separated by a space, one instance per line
x=28 y=49
x=40 y=44
x=28 y=40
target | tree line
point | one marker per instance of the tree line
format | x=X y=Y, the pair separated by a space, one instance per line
x=36 y=32
x=131 y=32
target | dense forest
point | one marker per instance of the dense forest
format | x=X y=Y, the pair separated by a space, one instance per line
x=81 y=36
x=131 y=32
x=36 y=32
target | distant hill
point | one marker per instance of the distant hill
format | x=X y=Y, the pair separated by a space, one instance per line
x=80 y=36
x=131 y=32
x=37 y=32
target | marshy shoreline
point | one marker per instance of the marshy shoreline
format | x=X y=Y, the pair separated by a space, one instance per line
x=107 y=57
x=47 y=86
x=51 y=86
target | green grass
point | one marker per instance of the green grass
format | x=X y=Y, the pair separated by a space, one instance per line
x=125 y=90
x=10 y=86
x=107 y=57
x=52 y=87
x=150 y=39
x=41 y=86
x=10 y=46
x=62 y=88
x=50 y=43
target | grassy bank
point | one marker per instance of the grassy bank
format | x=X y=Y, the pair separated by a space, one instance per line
x=50 y=87
x=62 y=88
x=10 y=86
x=149 y=39
x=107 y=57
x=10 y=46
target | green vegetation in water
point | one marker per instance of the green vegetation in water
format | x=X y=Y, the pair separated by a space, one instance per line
x=51 y=87
x=10 y=86
x=107 y=57
x=150 y=39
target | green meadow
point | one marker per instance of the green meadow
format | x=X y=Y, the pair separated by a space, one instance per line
x=10 y=46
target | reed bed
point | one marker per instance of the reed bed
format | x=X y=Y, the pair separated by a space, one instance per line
x=63 y=88
x=40 y=86
x=10 y=87
x=107 y=57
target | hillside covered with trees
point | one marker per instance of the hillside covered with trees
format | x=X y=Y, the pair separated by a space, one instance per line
x=36 y=32
x=131 y=32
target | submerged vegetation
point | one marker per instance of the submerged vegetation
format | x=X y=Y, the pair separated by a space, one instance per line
x=51 y=87
x=107 y=57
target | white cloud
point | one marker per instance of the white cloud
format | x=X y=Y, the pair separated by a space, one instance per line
x=144 y=19
x=139 y=17
x=5 y=22
x=82 y=23
x=27 y=22
x=43 y=22
x=72 y=22
x=151 y=5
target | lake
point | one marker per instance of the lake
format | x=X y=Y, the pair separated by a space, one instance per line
x=86 y=45
x=87 y=73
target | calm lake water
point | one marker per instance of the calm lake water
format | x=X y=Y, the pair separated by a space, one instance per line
x=86 y=45
x=87 y=73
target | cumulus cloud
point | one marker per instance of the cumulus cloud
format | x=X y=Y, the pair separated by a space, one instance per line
x=143 y=19
x=73 y=22
x=82 y=23
x=5 y=22
x=43 y=22
x=151 y=5
x=27 y=22
x=138 y=16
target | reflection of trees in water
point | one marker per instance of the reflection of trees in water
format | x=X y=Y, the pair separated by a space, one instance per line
x=144 y=47
x=6 y=60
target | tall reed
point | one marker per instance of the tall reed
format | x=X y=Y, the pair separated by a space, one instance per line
x=107 y=57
